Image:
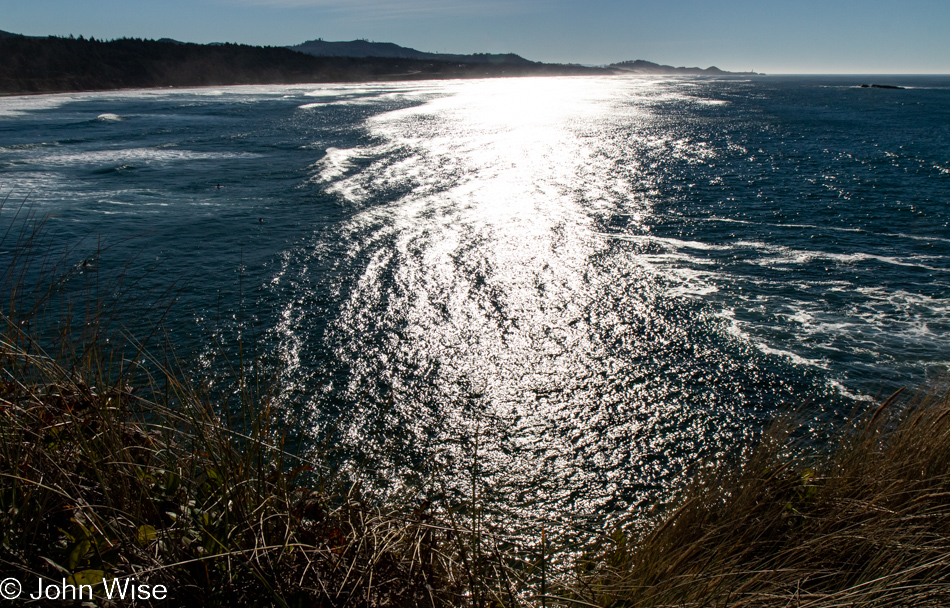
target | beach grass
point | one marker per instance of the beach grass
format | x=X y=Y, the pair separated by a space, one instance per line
x=117 y=465
x=864 y=522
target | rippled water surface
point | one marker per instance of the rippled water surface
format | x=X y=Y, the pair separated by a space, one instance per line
x=598 y=281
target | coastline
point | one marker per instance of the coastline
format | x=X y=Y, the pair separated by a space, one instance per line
x=115 y=464
x=392 y=78
x=61 y=65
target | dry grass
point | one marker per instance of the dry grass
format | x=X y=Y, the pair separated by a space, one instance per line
x=866 y=523
x=98 y=483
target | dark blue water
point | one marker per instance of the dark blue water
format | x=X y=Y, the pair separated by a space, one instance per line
x=603 y=280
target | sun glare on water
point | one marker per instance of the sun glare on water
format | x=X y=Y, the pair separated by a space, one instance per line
x=489 y=302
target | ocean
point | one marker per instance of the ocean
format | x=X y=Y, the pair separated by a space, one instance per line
x=582 y=287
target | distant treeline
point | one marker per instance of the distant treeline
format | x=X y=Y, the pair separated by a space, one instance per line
x=45 y=65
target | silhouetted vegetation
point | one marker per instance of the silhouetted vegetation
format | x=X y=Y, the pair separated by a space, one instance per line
x=54 y=64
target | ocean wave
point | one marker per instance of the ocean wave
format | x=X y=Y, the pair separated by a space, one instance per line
x=126 y=156
x=794 y=357
x=819 y=229
x=337 y=162
x=20 y=105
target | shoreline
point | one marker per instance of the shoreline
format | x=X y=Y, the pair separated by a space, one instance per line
x=61 y=65
x=4 y=94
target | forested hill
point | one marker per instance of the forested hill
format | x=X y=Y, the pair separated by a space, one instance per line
x=365 y=48
x=45 y=65
x=641 y=67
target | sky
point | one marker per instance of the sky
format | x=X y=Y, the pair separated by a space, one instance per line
x=772 y=36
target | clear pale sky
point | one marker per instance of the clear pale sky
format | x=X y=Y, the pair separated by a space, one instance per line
x=804 y=36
